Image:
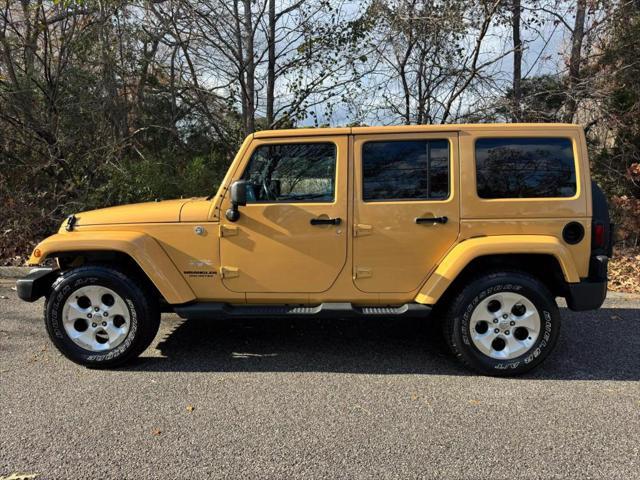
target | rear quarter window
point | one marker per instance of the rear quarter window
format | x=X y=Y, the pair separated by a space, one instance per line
x=525 y=168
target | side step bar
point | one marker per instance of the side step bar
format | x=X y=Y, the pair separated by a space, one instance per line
x=206 y=310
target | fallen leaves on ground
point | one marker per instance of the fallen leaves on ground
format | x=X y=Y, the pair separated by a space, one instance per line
x=156 y=432
x=39 y=355
x=190 y=408
x=624 y=271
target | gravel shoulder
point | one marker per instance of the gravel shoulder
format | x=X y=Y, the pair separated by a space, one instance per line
x=309 y=398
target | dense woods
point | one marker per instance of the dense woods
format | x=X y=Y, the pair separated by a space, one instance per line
x=106 y=102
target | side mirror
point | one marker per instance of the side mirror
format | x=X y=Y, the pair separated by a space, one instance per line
x=238 y=199
x=239 y=192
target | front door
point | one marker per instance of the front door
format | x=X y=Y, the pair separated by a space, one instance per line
x=291 y=236
x=406 y=213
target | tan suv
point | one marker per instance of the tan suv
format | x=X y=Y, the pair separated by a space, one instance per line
x=485 y=224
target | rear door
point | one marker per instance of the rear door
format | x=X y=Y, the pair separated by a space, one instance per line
x=406 y=212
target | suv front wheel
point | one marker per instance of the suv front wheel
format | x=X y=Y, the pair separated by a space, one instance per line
x=99 y=317
x=503 y=323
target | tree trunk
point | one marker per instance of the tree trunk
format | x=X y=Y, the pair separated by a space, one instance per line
x=250 y=93
x=575 y=60
x=271 y=62
x=517 y=62
x=240 y=63
x=407 y=94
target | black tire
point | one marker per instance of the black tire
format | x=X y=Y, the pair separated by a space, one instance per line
x=143 y=310
x=457 y=319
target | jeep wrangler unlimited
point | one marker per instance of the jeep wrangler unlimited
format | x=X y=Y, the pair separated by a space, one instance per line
x=483 y=224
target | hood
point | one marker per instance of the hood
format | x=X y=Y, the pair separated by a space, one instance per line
x=149 y=212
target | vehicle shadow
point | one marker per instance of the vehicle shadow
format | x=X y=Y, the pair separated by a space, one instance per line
x=602 y=345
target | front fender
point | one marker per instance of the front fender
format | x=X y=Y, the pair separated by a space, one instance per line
x=142 y=248
x=463 y=253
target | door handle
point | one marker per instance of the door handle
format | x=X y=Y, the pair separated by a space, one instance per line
x=325 y=221
x=432 y=220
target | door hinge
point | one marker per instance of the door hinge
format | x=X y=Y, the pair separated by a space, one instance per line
x=361 y=229
x=363 y=272
x=228 y=231
x=229 y=272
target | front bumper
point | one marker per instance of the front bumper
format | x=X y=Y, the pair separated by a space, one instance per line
x=589 y=294
x=36 y=284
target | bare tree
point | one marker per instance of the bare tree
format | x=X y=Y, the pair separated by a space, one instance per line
x=517 y=59
x=578 y=31
x=430 y=56
x=577 y=37
x=277 y=59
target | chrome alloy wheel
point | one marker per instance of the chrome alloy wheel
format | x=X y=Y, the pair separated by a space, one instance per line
x=96 y=318
x=504 y=325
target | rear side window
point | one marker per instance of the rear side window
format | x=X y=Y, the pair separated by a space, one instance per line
x=525 y=168
x=405 y=170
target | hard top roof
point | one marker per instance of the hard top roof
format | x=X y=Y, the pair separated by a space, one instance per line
x=303 y=132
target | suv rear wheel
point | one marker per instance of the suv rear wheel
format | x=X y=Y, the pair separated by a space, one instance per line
x=503 y=323
x=99 y=317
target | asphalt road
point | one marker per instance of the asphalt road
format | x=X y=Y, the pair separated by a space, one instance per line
x=320 y=399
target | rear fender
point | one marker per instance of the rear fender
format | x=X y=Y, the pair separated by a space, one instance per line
x=463 y=253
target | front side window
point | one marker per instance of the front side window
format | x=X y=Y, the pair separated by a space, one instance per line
x=525 y=168
x=292 y=172
x=405 y=170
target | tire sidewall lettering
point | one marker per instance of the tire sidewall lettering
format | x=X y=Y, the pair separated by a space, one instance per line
x=542 y=343
x=60 y=296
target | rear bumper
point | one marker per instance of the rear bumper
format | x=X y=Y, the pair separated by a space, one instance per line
x=589 y=294
x=36 y=284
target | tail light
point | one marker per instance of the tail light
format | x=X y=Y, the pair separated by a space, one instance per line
x=599 y=239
